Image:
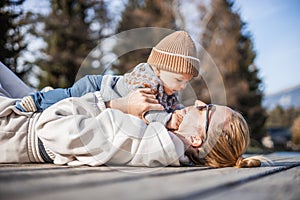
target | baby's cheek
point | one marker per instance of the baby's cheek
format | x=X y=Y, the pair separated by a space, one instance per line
x=168 y=90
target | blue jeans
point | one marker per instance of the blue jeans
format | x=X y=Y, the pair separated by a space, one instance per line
x=89 y=83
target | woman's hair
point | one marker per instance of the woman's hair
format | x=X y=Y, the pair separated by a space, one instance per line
x=226 y=143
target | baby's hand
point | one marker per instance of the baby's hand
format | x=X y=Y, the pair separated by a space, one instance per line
x=175 y=120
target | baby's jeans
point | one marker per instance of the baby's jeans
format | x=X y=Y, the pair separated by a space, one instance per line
x=89 y=83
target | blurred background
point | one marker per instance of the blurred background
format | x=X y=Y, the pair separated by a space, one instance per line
x=255 y=45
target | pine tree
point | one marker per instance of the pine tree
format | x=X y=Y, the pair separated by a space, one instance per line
x=226 y=41
x=250 y=103
x=143 y=13
x=12 y=42
x=69 y=38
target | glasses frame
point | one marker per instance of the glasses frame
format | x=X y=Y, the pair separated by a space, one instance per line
x=207 y=108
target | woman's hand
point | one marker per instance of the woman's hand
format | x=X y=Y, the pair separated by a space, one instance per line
x=136 y=102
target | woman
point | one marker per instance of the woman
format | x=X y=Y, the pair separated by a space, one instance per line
x=86 y=131
x=79 y=131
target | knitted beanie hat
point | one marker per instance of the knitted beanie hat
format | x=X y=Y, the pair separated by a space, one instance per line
x=176 y=53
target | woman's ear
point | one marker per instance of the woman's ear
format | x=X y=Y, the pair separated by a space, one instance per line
x=196 y=141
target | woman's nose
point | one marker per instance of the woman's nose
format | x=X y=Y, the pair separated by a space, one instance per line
x=199 y=103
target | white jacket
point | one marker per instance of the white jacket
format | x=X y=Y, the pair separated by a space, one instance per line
x=80 y=131
x=18 y=140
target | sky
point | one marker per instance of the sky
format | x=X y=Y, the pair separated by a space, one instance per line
x=275 y=26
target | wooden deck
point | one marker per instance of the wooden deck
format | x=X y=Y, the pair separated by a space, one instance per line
x=44 y=181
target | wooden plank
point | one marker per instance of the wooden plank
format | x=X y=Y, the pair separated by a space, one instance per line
x=63 y=182
x=40 y=181
x=70 y=186
x=283 y=185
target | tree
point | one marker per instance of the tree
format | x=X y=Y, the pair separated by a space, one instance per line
x=276 y=118
x=280 y=117
x=296 y=131
x=12 y=42
x=69 y=38
x=143 y=13
x=226 y=41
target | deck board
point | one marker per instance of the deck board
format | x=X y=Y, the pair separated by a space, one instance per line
x=282 y=185
x=46 y=181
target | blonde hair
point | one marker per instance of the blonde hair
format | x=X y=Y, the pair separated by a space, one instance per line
x=226 y=143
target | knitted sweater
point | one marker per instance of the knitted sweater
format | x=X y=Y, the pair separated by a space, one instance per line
x=142 y=76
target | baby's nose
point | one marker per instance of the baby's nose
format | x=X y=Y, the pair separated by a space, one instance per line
x=182 y=86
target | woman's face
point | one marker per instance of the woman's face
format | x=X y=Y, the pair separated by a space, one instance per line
x=199 y=118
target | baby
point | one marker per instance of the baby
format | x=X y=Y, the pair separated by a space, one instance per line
x=171 y=64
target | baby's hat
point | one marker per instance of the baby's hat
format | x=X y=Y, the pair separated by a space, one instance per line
x=176 y=53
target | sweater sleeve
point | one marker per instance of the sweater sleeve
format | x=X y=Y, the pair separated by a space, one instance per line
x=161 y=116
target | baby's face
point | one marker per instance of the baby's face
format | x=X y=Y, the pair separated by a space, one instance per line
x=174 y=82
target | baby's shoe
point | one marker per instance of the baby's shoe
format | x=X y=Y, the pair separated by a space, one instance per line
x=47 y=88
x=26 y=104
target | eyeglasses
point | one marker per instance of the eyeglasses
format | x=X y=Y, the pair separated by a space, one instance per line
x=207 y=108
